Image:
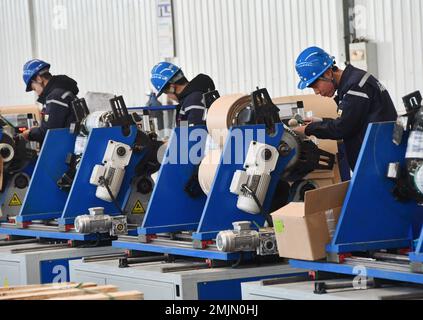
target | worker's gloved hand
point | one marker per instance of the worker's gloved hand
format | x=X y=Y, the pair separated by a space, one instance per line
x=300 y=130
x=25 y=135
x=312 y=120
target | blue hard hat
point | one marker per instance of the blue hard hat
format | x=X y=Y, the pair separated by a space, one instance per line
x=311 y=64
x=162 y=74
x=31 y=70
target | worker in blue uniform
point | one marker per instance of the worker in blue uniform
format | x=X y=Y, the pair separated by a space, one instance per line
x=361 y=100
x=169 y=79
x=55 y=93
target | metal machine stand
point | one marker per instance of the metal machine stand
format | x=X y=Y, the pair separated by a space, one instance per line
x=377 y=236
x=172 y=210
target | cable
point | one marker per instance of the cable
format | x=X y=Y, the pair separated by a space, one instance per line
x=105 y=183
x=245 y=188
x=268 y=217
x=239 y=261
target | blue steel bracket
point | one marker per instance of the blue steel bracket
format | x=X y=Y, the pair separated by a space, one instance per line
x=74 y=236
x=417 y=255
x=82 y=194
x=371 y=218
x=170 y=208
x=221 y=206
x=356 y=270
x=183 y=252
x=44 y=200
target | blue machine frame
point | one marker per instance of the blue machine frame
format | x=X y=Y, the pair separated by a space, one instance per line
x=171 y=210
x=45 y=201
x=29 y=170
x=371 y=218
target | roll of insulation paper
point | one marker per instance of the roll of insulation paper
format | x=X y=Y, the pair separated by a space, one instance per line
x=208 y=170
x=223 y=115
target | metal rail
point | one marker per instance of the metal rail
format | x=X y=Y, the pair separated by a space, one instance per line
x=40 y=248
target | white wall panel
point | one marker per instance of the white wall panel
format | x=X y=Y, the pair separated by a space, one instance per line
x=107 y=45
x=397 y=27
x=249 y=43
x=15 y=48
x=111 y=45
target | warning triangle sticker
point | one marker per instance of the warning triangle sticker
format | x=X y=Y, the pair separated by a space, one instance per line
x=138 y=208
x=15 y=201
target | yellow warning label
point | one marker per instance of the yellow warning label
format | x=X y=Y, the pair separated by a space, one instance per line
x=6 y=283
x=15 y=201
x=138 y=208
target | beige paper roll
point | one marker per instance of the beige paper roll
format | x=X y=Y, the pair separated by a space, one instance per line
x=208 y=170
x=222 y=116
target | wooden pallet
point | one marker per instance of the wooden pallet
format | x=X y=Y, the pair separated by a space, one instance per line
x=68 y=291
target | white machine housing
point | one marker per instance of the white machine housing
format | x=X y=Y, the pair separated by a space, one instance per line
x=117 y=157
x=261 y=161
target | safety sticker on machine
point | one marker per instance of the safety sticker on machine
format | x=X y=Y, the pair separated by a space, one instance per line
x=138 y=208
x=15 y=201
x=279 y=227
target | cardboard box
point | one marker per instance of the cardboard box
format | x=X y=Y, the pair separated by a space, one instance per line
x=304 y=229
x=14 y=110
x=320 y=106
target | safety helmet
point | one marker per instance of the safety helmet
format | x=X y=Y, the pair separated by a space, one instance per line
x=163 y=74
x=311 y=64
x=31 y=69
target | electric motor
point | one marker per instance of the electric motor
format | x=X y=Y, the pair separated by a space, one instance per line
x=252 y=185
x=93 y=224
x=109 y=177
x=242 y=238
x=97 y=222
